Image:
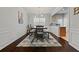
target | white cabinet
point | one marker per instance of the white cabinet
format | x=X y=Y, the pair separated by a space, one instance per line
x=55 y=30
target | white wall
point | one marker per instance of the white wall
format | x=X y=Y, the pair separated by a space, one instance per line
x=74 y=29
x=66 y=24
x=66 y=19
x=10 y=30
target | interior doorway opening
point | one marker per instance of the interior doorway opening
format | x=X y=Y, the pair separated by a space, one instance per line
x=61 y=18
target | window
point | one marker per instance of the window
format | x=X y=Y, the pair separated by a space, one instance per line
x=39 y=21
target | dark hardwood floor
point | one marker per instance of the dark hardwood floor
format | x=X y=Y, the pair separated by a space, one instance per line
x=65 y=46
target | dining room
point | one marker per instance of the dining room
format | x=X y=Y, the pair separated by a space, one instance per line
x=41 y=28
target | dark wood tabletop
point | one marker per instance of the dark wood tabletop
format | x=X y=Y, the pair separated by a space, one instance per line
x=35 y=28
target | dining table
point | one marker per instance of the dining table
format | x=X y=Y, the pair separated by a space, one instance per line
x=33 y=29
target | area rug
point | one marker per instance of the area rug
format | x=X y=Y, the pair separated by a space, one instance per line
x=52 y=42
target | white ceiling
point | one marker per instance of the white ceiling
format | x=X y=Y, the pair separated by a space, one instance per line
x=37 y=10
x=64 y=10
x=46 y=10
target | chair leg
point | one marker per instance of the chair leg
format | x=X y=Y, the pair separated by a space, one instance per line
x=47 y=40
x=32 y=40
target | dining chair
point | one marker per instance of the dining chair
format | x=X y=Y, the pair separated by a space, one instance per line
x=39 y=33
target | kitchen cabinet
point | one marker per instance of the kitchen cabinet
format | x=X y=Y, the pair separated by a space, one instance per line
x=55 y=30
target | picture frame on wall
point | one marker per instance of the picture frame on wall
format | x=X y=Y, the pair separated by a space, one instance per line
x=20 y=17
x=76 y=11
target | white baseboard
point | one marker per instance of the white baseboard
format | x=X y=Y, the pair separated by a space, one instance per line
x=74 y=46
x=6 y=44
x=9 y=42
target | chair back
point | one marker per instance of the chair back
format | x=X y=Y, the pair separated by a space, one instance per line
x=39 y=29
